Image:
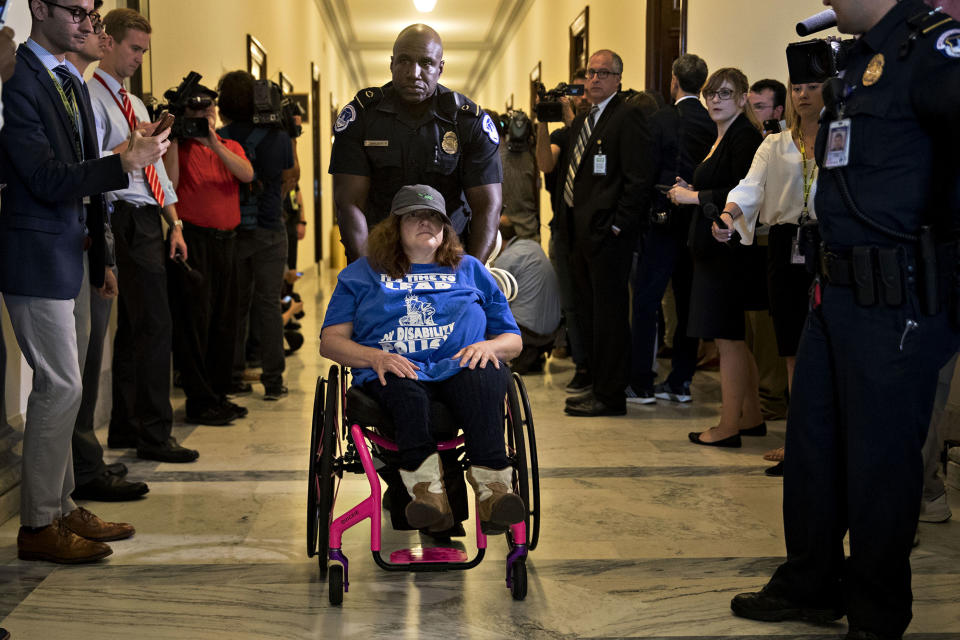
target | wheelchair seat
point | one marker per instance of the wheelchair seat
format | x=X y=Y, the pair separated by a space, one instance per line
x=367 y=412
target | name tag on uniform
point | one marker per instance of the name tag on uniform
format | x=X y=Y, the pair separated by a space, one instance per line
x=838 y=144
x=376 y=143
x=600 y=164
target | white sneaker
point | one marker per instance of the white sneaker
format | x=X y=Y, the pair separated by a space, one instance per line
x=936 y=510
x=643 y=396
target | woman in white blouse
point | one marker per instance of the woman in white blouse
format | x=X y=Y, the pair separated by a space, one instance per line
x=779 y=192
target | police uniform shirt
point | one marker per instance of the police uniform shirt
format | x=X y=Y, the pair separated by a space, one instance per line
x=453 y=146
x=905 y=130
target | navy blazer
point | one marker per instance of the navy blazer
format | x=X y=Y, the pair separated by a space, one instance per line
x=43 y=225
x=621 y=197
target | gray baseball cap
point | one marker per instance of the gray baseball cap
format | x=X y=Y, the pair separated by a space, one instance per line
x=417 y=197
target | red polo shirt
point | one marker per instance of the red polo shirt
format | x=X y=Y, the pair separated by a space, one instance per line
x=207 y=192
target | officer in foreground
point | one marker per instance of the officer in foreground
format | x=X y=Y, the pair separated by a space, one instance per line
x=415 y=131
x=883 y=321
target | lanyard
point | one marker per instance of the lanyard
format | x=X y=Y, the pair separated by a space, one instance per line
x=115 y=99
x=73 y=110
x=807 y=182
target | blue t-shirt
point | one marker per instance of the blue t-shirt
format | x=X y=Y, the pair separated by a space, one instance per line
x=427 y=316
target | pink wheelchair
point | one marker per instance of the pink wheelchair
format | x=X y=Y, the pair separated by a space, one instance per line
x=347 y=441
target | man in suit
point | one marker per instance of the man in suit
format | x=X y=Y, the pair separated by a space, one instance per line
x=606 y=189
x=49 y=159
x=681 y=135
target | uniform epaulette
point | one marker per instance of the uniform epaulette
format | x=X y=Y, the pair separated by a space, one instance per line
x=921 y=25
x=369 y=96
x=455 y=103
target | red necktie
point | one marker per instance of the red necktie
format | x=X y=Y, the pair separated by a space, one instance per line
x=152 y=178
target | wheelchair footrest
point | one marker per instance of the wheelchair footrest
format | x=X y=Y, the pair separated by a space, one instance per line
x=428 y=554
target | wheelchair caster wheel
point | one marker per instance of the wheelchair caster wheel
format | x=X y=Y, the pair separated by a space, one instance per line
x=335 y=581
x=518 y=576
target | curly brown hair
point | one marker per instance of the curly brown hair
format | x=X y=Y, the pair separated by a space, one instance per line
x=385 y=249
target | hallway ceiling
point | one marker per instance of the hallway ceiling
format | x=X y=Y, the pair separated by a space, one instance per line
x=474 y=35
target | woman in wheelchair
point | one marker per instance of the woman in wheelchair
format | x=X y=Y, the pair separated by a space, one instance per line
x=416 y=320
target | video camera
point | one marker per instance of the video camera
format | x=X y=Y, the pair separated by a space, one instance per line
x=549 y=108
x=817 y=60
x=272 y=109
x=178 y=101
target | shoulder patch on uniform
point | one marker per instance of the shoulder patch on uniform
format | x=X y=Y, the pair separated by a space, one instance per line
x=490 y=128
x=949 y=43
x=347 y=115
x=369 y=96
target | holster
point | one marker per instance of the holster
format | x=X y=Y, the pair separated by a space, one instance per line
x=864 y=287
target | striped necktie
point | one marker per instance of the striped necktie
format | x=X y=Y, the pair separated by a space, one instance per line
x=151 y=171
x=68 y=84
x=585 y=132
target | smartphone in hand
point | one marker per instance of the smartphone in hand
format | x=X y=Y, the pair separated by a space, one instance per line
x=166 y=121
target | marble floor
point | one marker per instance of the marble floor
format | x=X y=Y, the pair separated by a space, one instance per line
x=644 y=536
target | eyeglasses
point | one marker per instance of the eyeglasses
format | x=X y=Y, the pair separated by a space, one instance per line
x=78 y=15
x=723 y=94
x=603 y=74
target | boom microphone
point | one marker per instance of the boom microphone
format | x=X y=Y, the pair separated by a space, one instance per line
x=819 y=22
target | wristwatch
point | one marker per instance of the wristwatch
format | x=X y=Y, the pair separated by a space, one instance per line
x=178 y=224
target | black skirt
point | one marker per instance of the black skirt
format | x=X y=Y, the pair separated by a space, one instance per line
x=718 y=294
x=789 y=289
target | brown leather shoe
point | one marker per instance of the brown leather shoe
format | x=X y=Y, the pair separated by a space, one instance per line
x=85 y=524
x=56 y=543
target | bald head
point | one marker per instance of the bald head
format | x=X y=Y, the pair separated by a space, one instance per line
x=416 y=63
x=418 y=34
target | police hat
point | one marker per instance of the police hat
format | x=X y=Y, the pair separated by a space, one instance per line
x=419 y=197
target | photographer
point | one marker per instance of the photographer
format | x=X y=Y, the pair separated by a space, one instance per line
x=882 y=323
x=206 y=170
x=261 y=237
x=551 y=150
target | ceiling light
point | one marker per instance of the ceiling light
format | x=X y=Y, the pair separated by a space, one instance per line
x=424 y=6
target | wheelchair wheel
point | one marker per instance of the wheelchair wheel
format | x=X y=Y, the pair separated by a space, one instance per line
x=322 y=472
x=316 y=428
x=518 y=575
x=522 y=445
x=335 y=582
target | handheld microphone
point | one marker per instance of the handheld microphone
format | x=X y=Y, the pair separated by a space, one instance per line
x=818 y=22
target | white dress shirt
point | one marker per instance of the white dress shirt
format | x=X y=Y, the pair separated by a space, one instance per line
x=772 y=191
x=116 y=130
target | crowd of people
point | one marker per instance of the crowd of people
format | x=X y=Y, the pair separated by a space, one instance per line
x=186 y=228
x=728 y=191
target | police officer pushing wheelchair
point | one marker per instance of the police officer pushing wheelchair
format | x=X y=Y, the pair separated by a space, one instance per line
x=413 y=130
x=884 y=318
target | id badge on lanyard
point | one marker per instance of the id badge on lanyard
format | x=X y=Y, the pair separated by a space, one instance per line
x=599 y=161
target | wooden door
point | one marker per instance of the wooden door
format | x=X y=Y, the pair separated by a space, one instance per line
x=666 y=41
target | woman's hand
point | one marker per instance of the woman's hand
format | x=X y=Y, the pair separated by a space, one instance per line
x=477 y=353
x=394 y=363
x=723 y=235
x=683 y=193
